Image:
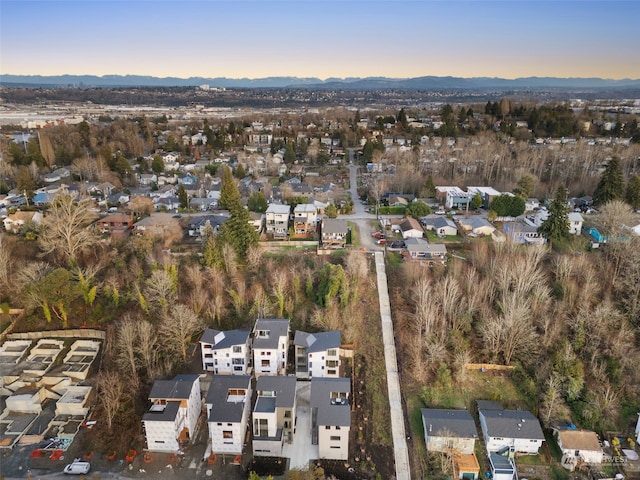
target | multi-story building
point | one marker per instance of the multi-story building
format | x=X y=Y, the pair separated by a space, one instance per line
x=270 y=346
x=317 y=354
x=304 y=219
x=173 y=416
x=273 y=415
x=228 y=405
x=331 y=417
x=226 y=352
x=277 y=220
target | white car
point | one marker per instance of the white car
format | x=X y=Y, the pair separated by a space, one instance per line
x=77 y=468
x=440 y=212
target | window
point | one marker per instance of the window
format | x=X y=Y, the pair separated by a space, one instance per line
x=208 y=355
x=332 y=363
x=327 y=427
x=237 y=349
x=262 y=333
x=237 y=392
x=335 y=446
x=331 y=372
x=219 y=424
x=337 y=427
x=335 y=438
x=332 y=352
x=287 y=414
x=265 y=363
x=237 y=368
x=261 y=427
x=227 y=434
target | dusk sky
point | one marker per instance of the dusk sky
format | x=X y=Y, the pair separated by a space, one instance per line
x=321 y=38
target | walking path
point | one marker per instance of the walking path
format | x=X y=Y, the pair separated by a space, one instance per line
x=400 y=449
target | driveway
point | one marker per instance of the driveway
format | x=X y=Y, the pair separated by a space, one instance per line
x=300 y=451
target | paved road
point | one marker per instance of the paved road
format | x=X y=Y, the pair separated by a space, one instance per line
x=400 y=449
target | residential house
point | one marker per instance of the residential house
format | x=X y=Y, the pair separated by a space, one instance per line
x=57 y=175
x=575 y=223
x=421 y=249
x=277 y=220
x=396 y=201
x=273 y=415
x=476 y=226
x=304 y=219
x=486 y=193
x=172 y=418
x=115 y=223
x=516 y=429
x=449 y=431
x=16 y=221
x=199 y=224
x=226 y=352
x=317 y=354
x=148 y=178
x=519 y=232
x=502 y=468
x=579 y=446
x=453 y=197
x=334 y=233
x=331 y=417
x=411 y=228
x=270 y=346
x=257 y=221
x=228 y=405
x=442 y=226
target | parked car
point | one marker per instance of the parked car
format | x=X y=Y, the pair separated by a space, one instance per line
x=381 y=241
x=77 y=468
x=397 y=244
x=377 y=235
x=440 y=212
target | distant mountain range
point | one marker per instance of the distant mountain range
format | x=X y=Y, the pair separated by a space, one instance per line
x=367 y=83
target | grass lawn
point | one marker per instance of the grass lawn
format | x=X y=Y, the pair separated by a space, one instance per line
x=355 y=234
x=477 y=386
x=434 y=238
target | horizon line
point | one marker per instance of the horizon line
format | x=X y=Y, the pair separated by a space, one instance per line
x=310 y=77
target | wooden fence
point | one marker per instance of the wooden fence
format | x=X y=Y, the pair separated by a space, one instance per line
x=488 y=366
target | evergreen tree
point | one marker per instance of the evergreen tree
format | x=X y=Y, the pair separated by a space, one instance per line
x=611 y=184
x=430 y=187
x=476 y=202
x=183 y=198
x=236 y=231
x=157 y=165
x=289 y=154
x=633 y=192
x=556 y=226
x=240 y=172
x=229 y=193
x=331 y=211
x=257 y=202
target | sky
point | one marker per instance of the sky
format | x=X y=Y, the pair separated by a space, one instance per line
x=321 y=38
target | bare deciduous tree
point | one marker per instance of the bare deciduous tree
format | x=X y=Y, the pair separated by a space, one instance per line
x=64 y=230
x=178 y=328
x=126 y=340
x=112 y=392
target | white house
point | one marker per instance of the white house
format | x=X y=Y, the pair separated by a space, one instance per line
x=277 y=220
x=442 y=226
x=449 y=431
x=517 y=429
x=273 y=415
x=575 y=223
x=15 y=221
x=228 y=405
x=317 y=354
x=331 y=417
x=411 y=228
x=476 y=225
x=579 y=445
x=270 y=346
x=226 y=352
x=173 y=416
